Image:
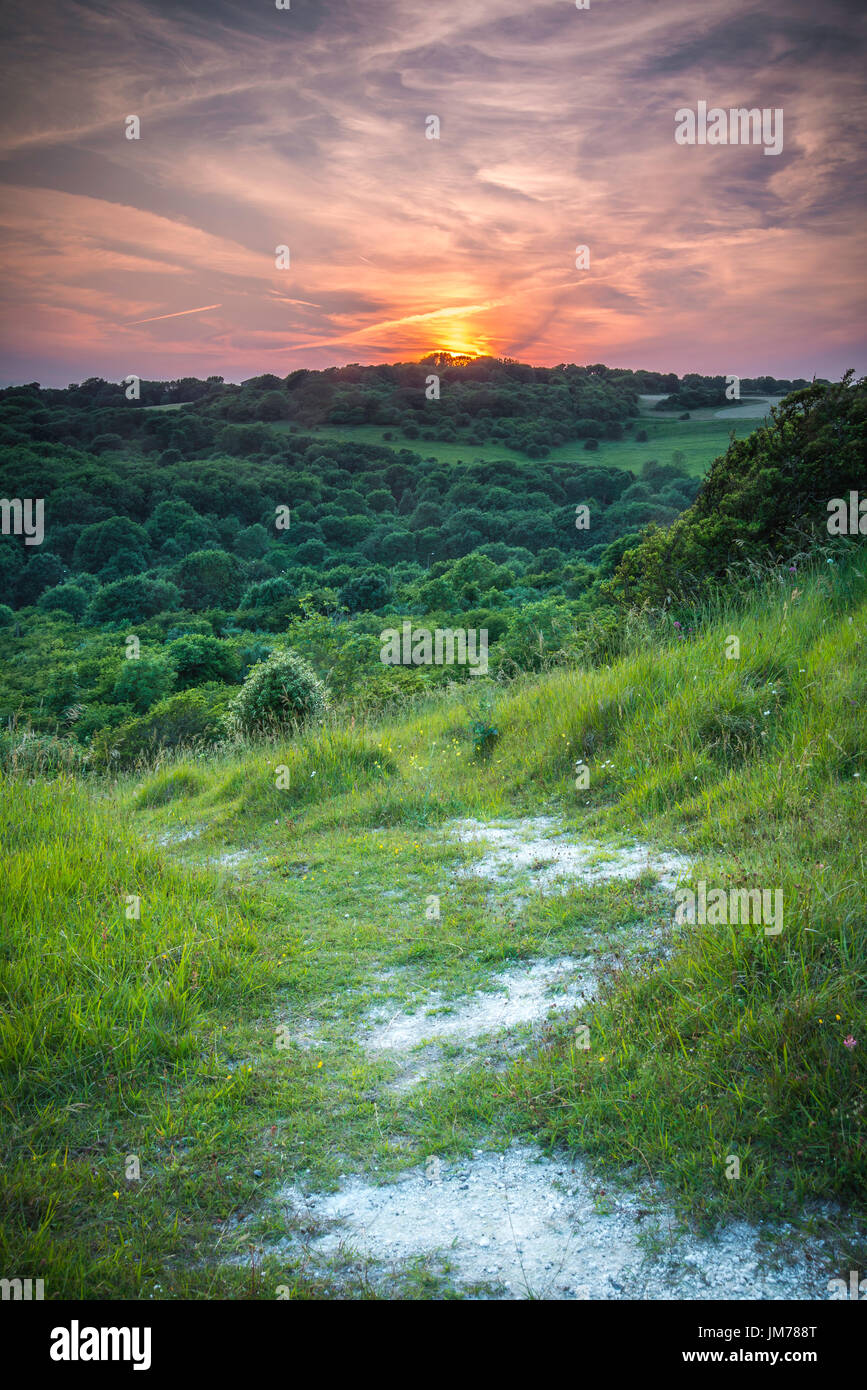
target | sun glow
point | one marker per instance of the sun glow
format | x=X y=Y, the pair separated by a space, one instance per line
x=457 y=337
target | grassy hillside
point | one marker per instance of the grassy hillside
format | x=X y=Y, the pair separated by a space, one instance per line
x=304 y=905
x=701 y=438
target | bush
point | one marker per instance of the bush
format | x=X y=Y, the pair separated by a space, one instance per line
x=266 y=593
x=143 y=682
x=187 y=719
x=133 y=600
x=64 y=598
x=282 y=691
x=210 y=579
x=366 y=592
x=95 y=715
x=196 y=659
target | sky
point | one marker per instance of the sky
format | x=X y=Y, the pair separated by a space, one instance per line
x=308 y=128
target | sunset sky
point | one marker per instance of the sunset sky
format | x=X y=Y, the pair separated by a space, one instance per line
x=306 y=127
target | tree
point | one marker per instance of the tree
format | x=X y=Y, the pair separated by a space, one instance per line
x=197 y=659
x=43 y=572
x=64 y=598
x=759 y=497
x=143 y=682
x=117 y=544
x=253 y=542
x=210 y=579
x=273 y=406
x=133 y=600
x=267 y=593
x=311 y=552
x=381 y=500
x=365 y=592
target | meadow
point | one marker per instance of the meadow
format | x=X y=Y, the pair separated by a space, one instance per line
x=157 y=1037
x=701 y=439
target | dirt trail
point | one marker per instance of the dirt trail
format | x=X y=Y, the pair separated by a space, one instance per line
x=517 y=1224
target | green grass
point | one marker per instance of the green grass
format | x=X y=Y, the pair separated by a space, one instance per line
x=701 y=439
x=157 y=1036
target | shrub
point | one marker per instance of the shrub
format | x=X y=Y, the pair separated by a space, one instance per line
x=210 y=578
x=282 y=691
x=365 y=592
x=94 y=715
x=143 y=682
x=63 y=598
x=187 y=719
x=196 y=659
x=133 y=600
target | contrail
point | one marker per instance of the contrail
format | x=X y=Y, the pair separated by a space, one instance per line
x=179 y=315
x=283 y=300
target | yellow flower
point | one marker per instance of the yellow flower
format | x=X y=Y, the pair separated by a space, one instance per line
x=116 y=1195
x=318 y=1065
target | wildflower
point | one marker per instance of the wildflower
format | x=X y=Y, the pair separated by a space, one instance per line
x=116 y=1196
x=849 y=1042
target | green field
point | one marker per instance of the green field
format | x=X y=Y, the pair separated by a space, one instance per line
x=701 y=439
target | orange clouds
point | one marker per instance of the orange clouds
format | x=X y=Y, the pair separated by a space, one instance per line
x=307 y=128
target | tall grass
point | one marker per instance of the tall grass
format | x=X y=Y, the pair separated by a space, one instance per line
x=741 y=1045
x=754 y=765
